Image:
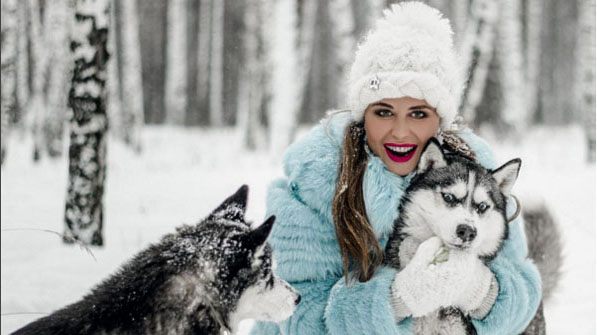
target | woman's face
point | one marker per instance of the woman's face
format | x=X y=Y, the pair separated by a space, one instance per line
x=398 y=129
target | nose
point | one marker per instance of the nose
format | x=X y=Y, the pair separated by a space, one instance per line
x=466 y=233
x=298 y=299
x=400 y=128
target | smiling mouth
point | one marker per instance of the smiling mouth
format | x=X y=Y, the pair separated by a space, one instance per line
x=400 y=152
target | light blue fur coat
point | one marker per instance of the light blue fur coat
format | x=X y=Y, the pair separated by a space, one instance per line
x=308 y=256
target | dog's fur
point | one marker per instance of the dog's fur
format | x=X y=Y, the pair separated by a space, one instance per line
x=203 y=279
x=444 y=195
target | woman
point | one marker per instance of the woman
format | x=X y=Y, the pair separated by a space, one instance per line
x=336 y=207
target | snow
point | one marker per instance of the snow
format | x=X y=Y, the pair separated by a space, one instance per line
x=184 y=173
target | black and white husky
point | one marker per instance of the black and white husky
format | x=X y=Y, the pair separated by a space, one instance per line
x=456 y=199
x=203 y=279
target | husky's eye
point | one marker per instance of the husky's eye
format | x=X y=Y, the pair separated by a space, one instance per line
x=482 y=207
x=448 y=197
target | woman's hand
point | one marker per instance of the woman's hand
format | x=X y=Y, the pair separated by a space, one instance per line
x=422 y=287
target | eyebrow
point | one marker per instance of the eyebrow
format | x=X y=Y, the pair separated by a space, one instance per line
x=421 y=106
x=382 y=104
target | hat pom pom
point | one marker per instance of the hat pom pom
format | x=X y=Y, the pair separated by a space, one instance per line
x=420 y=17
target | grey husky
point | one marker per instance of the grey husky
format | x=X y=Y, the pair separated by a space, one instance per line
x=203 y=279
x=456 y=199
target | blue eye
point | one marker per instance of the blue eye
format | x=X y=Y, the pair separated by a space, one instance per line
x=383 y=112
x=448 y=197
x=482 y=207
x=418 y=114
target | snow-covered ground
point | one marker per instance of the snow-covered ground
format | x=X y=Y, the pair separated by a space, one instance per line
x=184 y=173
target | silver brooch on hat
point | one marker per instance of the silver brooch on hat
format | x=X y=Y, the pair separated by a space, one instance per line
x=374 y=83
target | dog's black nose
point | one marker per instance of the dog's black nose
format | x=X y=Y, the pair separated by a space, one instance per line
x=298 y=299
x=466 y=233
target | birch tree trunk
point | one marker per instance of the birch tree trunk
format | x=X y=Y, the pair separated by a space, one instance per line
x=305 y=51
x=250 y=92
x=477 y=49
x=534 y=13
x=216 y=65
x=114 y=91
x=56 y=24
x=132 y=88
x=176 y=62
x=37 y=107
x=459 y=19
x=345 y=45
x=559 y=63
x=9 y=48
x=204 y=43
x=22 y=65
x=586 y=72
x=88 y=126
x=285 y=105
x=511 y=76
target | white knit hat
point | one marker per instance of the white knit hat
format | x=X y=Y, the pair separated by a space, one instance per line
x=409 y=53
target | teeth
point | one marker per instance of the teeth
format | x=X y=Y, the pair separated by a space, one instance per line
x=400 y=149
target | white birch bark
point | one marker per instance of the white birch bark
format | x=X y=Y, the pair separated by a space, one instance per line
x=9 y=52
x=203 y=53
x=511 y=75
x=22 y=64
x=343 y=26
x=216 y=65
x=176 y=62
x=459 y=20
x=56 y=23
x=586 y=72
x=285 y=105
x=250 y=90
x=88 y=125
x=305 y=47
x=533 y=52
x=132 y=89
x=114 y=91
x=476 y=51
x=37 y=107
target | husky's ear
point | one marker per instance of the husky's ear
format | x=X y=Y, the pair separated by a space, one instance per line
x=432 y=156
x=233 y=208
x=256 y=238
x=506 y=175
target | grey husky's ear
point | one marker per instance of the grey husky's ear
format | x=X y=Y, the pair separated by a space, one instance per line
x=233 y=208
x=257 y=237
x=432 y=156
x=506 y=175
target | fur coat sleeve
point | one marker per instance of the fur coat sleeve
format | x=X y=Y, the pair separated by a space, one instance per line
x=308 y=256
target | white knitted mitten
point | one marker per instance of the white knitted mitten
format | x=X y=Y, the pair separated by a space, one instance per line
x=421 y=287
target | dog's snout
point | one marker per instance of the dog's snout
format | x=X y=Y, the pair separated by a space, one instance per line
x=466 y=233
x=298 y=299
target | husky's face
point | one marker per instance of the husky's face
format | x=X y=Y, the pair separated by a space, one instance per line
x=459 y=201
x=241 y=263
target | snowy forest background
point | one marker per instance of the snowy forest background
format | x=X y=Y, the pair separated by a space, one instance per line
x=197 y=97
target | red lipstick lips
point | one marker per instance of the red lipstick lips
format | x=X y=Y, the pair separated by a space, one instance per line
x=400 y=153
